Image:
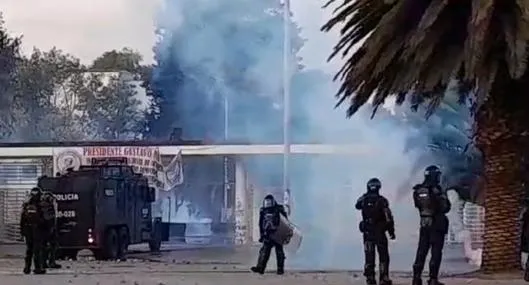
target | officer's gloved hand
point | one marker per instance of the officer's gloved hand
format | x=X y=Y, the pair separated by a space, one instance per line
x=261 y=239
x=392 y=236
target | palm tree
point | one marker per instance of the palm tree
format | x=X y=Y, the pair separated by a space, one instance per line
x=415 y=48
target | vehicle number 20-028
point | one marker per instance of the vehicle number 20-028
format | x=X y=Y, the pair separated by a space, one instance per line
x=66 y=214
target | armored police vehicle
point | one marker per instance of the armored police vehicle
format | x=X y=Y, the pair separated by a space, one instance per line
x=103 y=208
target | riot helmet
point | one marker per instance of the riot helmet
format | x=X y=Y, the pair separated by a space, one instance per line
x=374 y=185
x=36 y=191
x=269 y=201
x=35 y=194
x=432 y=175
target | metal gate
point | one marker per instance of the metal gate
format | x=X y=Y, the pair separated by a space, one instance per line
x=17 y=177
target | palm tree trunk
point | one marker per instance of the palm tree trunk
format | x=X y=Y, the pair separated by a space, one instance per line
x=503 y=191
x=501 y=133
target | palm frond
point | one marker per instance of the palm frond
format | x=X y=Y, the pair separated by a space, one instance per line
x=419 y=46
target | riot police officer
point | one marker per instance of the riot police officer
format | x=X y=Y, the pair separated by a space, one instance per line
x=49 y=210
x=31 y=228
x=524 y=219
x=377 y=219
x=433 y=205
x=269 y=219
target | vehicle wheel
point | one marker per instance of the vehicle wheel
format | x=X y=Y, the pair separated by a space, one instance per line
x=71 y=254
x=154 y=245
x=156 y=236
x=124 y=241
x=65 y=254
x=98 y=254
x=59 y=255
x=111 y=247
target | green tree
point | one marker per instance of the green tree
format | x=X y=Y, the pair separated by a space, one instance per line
x=9 y=58
x=119 y=113
x=412 y=47
x=50 y=90
x=125 y=59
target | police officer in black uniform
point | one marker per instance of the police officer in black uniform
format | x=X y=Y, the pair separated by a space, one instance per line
x=49 y=209
x=31 y=228
x=269 y=219
x=377 y=219
x=433 y=204
x=524 y=219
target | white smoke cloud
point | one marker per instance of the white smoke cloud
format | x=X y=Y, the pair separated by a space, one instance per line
x=209 y=35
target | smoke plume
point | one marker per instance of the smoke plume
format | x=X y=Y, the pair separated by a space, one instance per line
x=209 y=51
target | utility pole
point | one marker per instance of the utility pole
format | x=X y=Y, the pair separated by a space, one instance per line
x=286 y=103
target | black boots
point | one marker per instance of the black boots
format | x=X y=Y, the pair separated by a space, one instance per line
x=416 y=280
x=39 y=271
x=261 y=269
x=384 y=274
x=27 y=265
x=434 y=282
x=257 y=269
x=280 y=265
x=54 y=265
x=383 y=281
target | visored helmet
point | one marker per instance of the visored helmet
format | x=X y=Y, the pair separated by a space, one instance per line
x=269 y=201
x=432 y=174
x=374 y=185
x=36 y=191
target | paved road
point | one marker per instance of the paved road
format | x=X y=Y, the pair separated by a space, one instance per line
x=219 y=279
x=219 y=266
x=350 y=258
x=141 y=272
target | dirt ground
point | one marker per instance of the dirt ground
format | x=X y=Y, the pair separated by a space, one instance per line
x=198 y=267
x=139 y=272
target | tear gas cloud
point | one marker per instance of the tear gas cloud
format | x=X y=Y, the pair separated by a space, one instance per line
x=212 y=50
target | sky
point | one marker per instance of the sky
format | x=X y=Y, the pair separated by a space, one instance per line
x=89 y=28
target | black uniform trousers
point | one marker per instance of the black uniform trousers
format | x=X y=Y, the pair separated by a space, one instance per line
x=525 y=241
x=264 y=255
x=33 y=235
x=378 y=242
x=430 y=239
x=51 y=244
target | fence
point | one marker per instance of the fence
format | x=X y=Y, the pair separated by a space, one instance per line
x=17 y=177
x=474 y=221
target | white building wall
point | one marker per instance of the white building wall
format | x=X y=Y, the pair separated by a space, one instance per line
x=474 y=221
x=242 y=218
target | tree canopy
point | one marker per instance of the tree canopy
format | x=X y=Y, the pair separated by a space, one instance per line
x=9 y=58
x=402 y=47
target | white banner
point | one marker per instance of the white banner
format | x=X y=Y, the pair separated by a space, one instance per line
x=144 y=160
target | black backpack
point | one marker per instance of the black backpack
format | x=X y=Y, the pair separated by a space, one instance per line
x=48 y=207
x=425 y=199
x=270 y=220
x=372 y=212
x=32 y=213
